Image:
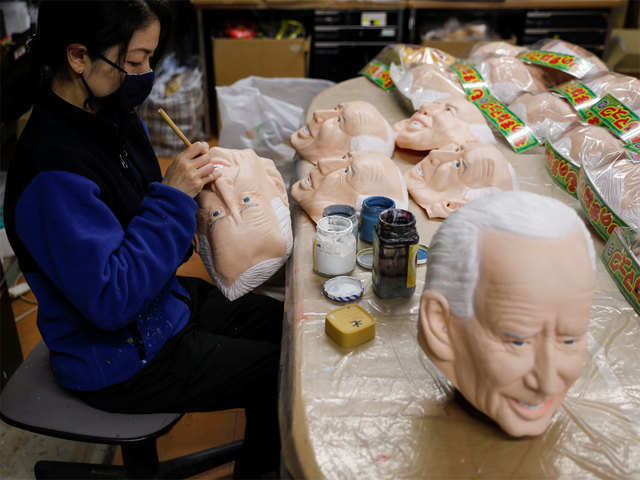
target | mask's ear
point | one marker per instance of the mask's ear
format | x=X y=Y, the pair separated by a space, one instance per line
x=433 y=326
x=443 y=209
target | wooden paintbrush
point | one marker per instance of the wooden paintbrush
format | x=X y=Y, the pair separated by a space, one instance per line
x=174 y=127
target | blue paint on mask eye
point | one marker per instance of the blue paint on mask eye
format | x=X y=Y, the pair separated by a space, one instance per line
x=457 y=164
x=568 y=342
x=246 y=199
x=518 y=343
x=216 y=213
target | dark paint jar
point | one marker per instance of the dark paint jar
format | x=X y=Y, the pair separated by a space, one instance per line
x=371 y=208
x=395 y=254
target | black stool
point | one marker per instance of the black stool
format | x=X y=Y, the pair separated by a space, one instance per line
x=32 y=400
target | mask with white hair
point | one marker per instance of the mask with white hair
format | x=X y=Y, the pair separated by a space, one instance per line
x=454 y=175
x=350 y=127
x=506 y=306
x=244 y=226
x=437 y=124
x=348 y=180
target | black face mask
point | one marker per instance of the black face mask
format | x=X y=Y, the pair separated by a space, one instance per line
x=133 y=91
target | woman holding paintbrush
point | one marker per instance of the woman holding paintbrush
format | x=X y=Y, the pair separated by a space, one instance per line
x=99 y=235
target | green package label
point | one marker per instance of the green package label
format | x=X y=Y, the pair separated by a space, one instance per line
x=474 y=85
x=622 y=264
x=563 y=171
x=603 y=219
x=634 y=149
x=378 y=73
x=618 y=118
x=571 y=64
x=581 y=97
x=519 y=136
x=589 y=117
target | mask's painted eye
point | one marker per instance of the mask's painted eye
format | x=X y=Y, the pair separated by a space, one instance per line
x=568 y=342
x=216 y=213
x=457 y=164
x=346 y=170
x=246 y=199
x=519 y=343
x=338 y=119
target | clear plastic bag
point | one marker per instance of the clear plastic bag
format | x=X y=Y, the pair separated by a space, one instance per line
x=584 y=64
x=616 y=177
x=624 y=88
x=262 y=113
x=547 y=114
x=425 y=83
x=509 y=77
x=586 y=143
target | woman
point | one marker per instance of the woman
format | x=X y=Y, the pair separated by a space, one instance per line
x=99 y=235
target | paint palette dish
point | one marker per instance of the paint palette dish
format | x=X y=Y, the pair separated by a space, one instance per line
x=343 y=289
x=365 y=256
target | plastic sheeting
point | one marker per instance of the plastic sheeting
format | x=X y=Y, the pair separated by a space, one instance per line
x=382 y=410
x=547 y=114
x=616 y=177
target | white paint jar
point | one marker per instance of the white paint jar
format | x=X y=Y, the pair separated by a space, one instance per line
x=334 y=246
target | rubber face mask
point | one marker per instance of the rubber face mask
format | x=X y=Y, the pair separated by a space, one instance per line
x=348 y=180
x=450 y=177
x=517 y=356
x=437 y=124
x=350 y=127
x=244 y=226
x=504 y=315
x=135 y=88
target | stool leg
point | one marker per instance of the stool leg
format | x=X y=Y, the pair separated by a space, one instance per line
x=140 y=459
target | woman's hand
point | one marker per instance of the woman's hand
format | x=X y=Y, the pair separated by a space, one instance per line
x=191 y=170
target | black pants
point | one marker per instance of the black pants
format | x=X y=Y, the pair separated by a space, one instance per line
x=226 y=357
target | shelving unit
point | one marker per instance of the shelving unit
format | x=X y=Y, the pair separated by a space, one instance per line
x=341 y=45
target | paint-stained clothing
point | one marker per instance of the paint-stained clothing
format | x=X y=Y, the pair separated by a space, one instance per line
x=99 y=239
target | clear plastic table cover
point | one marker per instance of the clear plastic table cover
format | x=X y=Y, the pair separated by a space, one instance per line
x=382 y=410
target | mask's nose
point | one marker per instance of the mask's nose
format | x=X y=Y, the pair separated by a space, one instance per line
x=544 y=376
x=431 y=108
x=320 y=116
x=330 y=164
x=227 y=194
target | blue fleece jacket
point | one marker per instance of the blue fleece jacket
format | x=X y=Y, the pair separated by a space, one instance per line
x=98 y=246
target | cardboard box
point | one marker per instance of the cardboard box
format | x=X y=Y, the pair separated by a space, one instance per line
x=622 y=52
x=234 y=59
x=460 y=49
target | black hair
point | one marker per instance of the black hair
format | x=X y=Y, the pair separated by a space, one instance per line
x=96 y=24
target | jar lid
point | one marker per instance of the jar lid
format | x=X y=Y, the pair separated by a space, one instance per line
x=364 y=258
x=343 y=288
